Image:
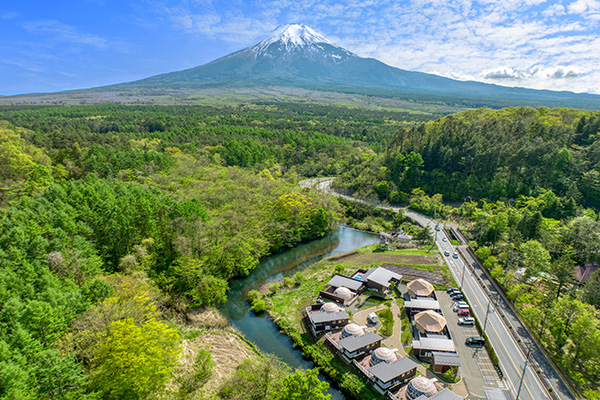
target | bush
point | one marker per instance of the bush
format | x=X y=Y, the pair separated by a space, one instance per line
x=273 y=288
x=258 y=306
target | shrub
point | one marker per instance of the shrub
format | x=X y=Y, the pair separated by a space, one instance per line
x=258 y=306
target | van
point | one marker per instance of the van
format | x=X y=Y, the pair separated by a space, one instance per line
x=475 y=341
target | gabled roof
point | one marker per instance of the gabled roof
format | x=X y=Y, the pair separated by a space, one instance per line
x=323 y=316
x=381 y=276
x=585 y=270
x=344 y=281
x=353 y=343
x=451 y=359
x=386 y=372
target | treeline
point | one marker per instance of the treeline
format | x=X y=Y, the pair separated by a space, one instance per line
x=493 y=154
x=309 y=140
x=531 y=246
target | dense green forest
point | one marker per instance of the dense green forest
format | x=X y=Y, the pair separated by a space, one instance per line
x=484 y=153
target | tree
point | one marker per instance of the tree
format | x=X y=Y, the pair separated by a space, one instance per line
x=303 y=386
x=483 y=253
x=198 y=376
x=590 y=293
x=135 y=361
x=256 y=378
x=534 y=257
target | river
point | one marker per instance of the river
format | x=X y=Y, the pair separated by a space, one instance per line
x=260 y=329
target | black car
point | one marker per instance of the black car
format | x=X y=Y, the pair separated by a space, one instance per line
x=475 y=341
x=452 y=289
x=458 y=296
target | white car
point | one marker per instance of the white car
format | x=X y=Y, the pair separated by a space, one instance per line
x=460 y=304
x=466 y=321
x=455 y=255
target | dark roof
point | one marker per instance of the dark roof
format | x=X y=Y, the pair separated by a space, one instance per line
x=446 y=359
x=429 y=343
x=446 y=394
x=386 y=372
x=323 y=316
x=353 y=343
x=340 y=280
x=381 y=276
x=585 y=270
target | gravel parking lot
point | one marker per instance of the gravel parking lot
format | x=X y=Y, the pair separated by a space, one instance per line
x=476 y=369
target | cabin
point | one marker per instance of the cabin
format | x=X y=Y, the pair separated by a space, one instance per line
x=442 y=362
x=584 y=271
x=352 y=343
x=343 y=289
x=325 y=317
x=380 y=278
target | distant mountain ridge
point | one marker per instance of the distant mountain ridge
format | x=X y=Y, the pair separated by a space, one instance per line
x=297 y=56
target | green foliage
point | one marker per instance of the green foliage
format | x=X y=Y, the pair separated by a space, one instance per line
x=134 y=361
x=387 y=321
x=202 y=370
x=255 y=378
x=258 y=306
x=483 y=253
x=303 y=386
x=493 y=154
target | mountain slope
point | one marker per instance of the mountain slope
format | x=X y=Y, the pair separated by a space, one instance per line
x=298 y=56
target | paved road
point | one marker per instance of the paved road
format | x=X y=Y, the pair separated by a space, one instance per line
x=512 y=359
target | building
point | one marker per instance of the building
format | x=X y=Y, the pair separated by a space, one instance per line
x=353 y=344
x=425 y=346
x=343 y=289
x=390 y=373
x=418 y=304
x=421 y=388
x=584 y=271
x=419 y=288
x=325 y=317
x=380 y=278
x=442 y=362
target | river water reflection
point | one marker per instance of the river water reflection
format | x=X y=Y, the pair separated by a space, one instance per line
x=261 y=330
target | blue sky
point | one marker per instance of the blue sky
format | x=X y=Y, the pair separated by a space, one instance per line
x=57 y=45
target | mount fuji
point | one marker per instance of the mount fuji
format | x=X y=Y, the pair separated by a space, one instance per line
x=296 y=56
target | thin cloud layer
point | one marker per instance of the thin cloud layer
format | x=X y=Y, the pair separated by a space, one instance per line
x=539 y=44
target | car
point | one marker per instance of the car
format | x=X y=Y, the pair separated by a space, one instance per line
x=464 y=312
x=457 y=296
x=437 y=228
x=460 y=304
x=466 y=321
x=455 y=255
x=444 y=239
x=446 y=253
x=452 y=289
x=372 y=318
x=475 y=341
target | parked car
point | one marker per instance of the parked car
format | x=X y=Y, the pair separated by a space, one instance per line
x=457 y=296
x=475 y=341
x=466 y=321
x=464 y=312
x=460 y=304
x=447 y=253
x=454 y=292
x=455 y=255
x=372 y=318
x=452 y=289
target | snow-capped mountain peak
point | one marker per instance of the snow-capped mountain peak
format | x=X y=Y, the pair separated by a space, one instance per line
x=291 y=36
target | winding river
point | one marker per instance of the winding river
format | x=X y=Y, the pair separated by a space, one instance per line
x=260 y=329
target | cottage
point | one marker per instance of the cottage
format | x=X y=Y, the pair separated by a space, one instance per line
x=584 y=271
x=388 y=372
x=380 y=278
x=343 y=289
x=355 y=344
x=326 y=317
x=442 y=362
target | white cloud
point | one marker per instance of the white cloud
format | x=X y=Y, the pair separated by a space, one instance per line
x=65 y=33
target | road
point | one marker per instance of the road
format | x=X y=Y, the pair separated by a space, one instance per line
x=521 y=379
x=512 y=359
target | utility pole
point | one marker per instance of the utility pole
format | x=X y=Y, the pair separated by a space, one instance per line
x=523 y=374
x=486 y=315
